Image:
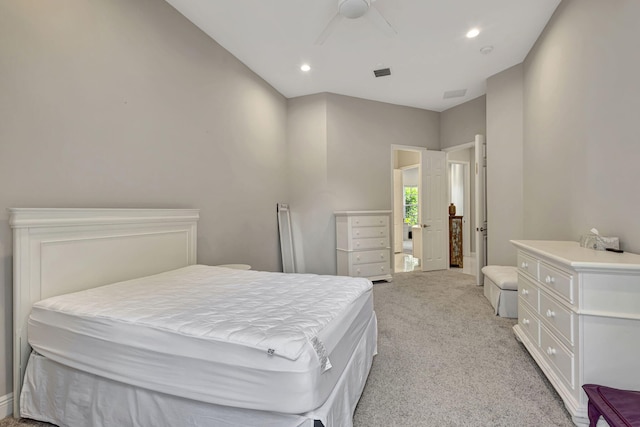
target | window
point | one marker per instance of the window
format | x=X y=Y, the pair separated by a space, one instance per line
x=411 y=204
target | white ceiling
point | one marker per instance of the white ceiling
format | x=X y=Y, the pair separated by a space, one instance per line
x=428 y=56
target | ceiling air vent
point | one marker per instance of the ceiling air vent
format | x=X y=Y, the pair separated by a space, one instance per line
x=454 y=93
x=382 y=72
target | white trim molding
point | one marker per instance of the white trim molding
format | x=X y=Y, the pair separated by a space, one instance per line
x=6 y=405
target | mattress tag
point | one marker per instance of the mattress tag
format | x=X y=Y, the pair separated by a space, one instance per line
x=321 y=351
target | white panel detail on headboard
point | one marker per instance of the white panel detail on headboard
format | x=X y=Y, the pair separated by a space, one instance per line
x=57 y=251
x=131 y=253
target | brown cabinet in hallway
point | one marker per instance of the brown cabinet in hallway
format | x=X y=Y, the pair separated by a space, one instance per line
x=455 y=241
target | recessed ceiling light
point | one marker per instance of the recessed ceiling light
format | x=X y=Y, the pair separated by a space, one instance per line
x=305 y=67
x=473 y=33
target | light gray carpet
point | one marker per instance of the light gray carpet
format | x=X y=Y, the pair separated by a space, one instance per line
x=444 y=359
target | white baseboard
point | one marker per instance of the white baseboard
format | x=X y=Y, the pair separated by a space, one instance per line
x=6 y=405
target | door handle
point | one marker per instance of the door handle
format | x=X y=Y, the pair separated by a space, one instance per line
x=481 y=229
x=425 y=225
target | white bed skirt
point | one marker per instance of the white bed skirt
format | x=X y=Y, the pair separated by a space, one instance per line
x=70 y=398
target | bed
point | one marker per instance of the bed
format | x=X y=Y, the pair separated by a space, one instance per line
x=116 y=324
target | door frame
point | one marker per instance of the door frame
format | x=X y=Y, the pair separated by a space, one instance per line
x=481 y=206
x=475 y=264
x=394 y=148
x=468 y=250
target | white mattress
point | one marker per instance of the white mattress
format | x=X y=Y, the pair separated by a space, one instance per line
x=249 y=339
x=67 y=397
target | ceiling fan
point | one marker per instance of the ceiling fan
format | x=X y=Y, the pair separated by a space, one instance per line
x=354 y=9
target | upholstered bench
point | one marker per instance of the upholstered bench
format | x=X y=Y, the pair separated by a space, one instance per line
x=619 y=408
x=501 y=289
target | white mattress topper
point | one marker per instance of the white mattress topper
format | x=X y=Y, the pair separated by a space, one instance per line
x=242 y=307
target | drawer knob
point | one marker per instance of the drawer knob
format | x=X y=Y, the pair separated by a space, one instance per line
x=551 y=351
x=525 y=265
x=550 y=280
x=551 y=313
x=358 y=257
x=525 y=321
x=382 y=268
x=525 y=292
x=381 y=256
x=381 y=243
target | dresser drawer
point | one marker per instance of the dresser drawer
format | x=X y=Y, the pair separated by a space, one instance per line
x=370 y=270
x=528 y=291
x=528 y=322
x=362 y=232
x=560 y=359
x=528 y=265
x=366 y=257
x=369 y=220
x=558 y=318
x=371 y=243
x=558 y=281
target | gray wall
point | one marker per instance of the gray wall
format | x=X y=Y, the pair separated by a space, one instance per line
x=460 y=124
x=504 y=164
x=561 y=135
x=310 y=197
x=581 y=105
x=352 y=170
x=126 y=104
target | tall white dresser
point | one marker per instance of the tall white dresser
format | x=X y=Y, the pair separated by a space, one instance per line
x=363 y=244
x=579 y=317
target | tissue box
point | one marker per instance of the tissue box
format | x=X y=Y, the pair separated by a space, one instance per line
x=599 y=243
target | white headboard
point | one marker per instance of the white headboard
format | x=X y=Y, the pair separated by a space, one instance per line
x=57 y=251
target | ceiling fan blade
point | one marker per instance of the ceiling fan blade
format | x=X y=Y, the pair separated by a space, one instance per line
x=328 y=29
x=380 y=21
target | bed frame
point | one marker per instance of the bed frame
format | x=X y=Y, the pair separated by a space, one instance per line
x=57 y=251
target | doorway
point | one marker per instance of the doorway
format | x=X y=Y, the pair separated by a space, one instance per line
x=472 y=159
x=429 y=243
x=406 y=190
x=461 y=194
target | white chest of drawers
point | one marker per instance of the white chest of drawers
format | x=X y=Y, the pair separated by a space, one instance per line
x=579 y=317
x=363 y=246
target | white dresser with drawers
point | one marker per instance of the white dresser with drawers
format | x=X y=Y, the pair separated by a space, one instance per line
x=363 y=244
x=579 y=317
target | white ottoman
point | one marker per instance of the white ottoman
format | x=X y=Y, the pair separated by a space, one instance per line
x=501 y=289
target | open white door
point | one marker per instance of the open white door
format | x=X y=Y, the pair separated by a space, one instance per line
x=433 y=210
x=481 y=207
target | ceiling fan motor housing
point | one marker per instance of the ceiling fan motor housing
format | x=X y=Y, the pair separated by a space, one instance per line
x=353 y=8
